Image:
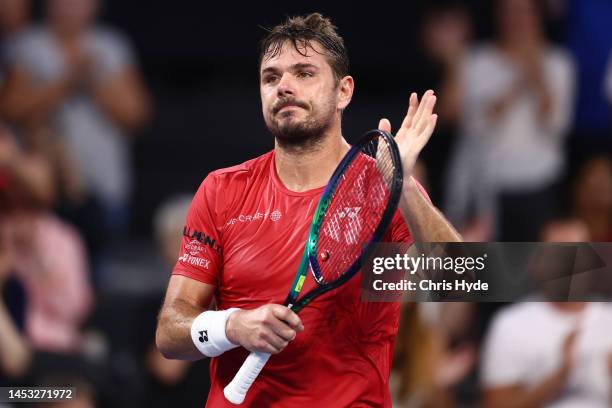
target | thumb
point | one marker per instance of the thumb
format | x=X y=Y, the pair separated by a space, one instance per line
x=385 y=125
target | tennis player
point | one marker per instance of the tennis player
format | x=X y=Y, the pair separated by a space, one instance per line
x=245 y=233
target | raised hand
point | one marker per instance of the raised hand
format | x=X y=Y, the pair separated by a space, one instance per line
x=416 y=129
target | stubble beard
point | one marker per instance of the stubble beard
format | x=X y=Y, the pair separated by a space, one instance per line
x=302 y=135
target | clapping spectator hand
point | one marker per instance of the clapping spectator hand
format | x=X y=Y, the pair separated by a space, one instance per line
x=567 y=354
x=80 y=66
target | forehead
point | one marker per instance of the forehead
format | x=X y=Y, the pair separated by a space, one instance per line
x=287 y=55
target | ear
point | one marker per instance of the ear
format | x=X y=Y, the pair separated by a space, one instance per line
x=345 y=92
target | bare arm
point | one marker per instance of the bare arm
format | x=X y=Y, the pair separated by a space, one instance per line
x=15 y=355
x=124 y=99
x=22 y=99
x=545 y=391
x=31 y=172
x=425 y=222
x=268 y=328
x=185 y=300
x=517 y=396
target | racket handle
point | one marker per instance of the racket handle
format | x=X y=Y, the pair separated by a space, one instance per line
x=236 y=390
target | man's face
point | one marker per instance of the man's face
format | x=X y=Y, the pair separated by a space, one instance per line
x=299 y=94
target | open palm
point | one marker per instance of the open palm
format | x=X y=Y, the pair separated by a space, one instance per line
x=416 y=129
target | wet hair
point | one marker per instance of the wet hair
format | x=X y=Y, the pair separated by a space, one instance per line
x=301 y=31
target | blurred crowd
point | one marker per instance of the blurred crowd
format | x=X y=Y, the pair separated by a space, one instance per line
x=522 y=154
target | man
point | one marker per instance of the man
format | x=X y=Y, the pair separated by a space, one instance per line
x=81 y=78
x=550 y=354
x=246 y=229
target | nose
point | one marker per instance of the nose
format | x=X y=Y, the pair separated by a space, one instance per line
x=286 y=86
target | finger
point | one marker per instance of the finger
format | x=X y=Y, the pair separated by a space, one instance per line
x=427 y=115
x=428 y=131
x=422 y=106
x=282 y=329
x=276 y=343
x=288 y=316
x=413 y=104
x=384 y=125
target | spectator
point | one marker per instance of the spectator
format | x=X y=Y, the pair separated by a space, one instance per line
x=49 y=258
x=172 y=381
x=82 y=78
x=514 y=97
x=432 y=354
x=550 y=354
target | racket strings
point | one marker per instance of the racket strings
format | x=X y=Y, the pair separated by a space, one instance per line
x=355 y=210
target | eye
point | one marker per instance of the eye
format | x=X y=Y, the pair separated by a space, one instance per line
x=304 y=74
x=268 y=79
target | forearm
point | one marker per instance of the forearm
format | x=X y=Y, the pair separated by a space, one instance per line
x=35 y=176
x=173 y=337
x=545 y=101
x=425 y=222
x=23 y=101
x=520 y=397
x=124 y=99
x=14 y=352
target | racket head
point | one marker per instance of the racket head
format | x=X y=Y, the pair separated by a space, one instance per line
x=355 y=209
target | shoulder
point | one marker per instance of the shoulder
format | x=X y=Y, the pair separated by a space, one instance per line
x=226 y=185
x=33 y=39
x=558 y=55
x=243 y=172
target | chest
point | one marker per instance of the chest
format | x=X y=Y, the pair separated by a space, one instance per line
x=264 y=238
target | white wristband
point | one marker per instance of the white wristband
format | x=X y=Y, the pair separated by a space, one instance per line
x=208 y=332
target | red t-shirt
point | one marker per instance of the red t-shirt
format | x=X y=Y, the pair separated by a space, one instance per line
x=245 y=234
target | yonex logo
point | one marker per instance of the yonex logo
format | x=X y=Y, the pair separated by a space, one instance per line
x=194 y=260
x=344 y=225
x=350 y=212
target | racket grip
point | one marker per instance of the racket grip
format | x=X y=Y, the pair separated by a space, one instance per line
x=236 y=390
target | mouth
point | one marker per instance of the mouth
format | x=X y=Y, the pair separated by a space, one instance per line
x=288 y=106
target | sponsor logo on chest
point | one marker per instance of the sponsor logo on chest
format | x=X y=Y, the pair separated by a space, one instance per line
x=270 y=215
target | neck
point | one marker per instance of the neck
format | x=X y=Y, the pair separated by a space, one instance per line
x=517 y=44
x=305 y=168
x=66 y=35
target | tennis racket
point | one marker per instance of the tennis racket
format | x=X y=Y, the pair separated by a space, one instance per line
x=353 y=213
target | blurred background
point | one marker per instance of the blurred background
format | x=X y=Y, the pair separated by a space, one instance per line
x=112 y=113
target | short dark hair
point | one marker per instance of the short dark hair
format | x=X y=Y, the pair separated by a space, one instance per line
x=301 y=30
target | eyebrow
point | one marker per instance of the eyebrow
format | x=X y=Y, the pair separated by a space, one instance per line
x=294 y=67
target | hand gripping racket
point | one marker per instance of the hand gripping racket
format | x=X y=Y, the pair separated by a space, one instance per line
x=353 y=213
